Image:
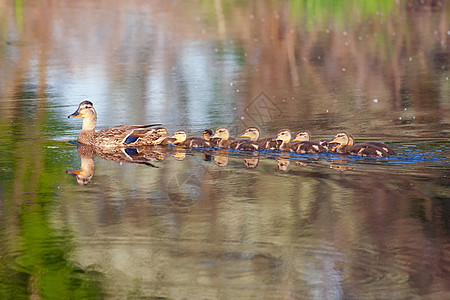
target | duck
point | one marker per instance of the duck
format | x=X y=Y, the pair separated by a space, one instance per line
x=345 y=145
x=117 y=136
x=303 y=144
x=181 y=139
x=254 y=133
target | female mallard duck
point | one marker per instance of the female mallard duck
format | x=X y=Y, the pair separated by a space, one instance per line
x=346 y=146
x=253 y=133
x=181 y=139
x=122 y=135
x=303 y=144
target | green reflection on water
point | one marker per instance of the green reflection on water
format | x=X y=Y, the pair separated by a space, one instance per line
x=35 y=257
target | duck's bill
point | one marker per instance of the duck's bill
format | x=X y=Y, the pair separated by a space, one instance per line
x=75 y=114
x=244 y=136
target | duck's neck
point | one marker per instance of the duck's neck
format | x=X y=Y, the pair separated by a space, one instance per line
x=87 y=134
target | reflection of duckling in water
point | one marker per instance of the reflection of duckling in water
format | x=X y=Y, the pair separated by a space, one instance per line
x=282 y=164
x=253 y=133
x=116 y=136
x=221 y=159
x=179 y=155
x=302 y=144
x=345 y=146
x=251 y=162
x=181 y=139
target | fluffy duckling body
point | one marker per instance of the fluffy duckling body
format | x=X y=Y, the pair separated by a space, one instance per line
x=346 y=146
x=182 y=139
x=117 y=136
x=303 y=144
x=253 y=133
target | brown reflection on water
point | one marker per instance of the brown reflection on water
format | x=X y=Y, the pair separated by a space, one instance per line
x=192 y=227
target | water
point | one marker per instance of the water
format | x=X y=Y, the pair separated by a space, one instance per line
x=225 y=224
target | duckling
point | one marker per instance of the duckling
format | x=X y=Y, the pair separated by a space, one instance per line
x=223 y=136
x=181 y=139
x=284 y=136
x=117 y=136
x=304 y=145
x=160 y=136
x=345 y=146
x=253 y=133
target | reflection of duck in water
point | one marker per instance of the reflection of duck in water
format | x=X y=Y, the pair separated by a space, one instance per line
x=302 y=144
x=87 y=166
x=345 y=145
x=121 y=135
x=253 y=133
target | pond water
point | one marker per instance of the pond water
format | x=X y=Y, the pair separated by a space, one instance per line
x=185 y=224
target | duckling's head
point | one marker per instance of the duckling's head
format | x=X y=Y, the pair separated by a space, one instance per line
x=222 y=133
x=343 y=139
x=87 y=112
x=252 y=133
x=207 y=133
x=302 y=136
x=180 y=136
x=284 y=135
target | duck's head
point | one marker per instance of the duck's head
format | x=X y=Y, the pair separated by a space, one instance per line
x=284 y=135
x=222 y=133
x=342 y=139
x=85 y=110
x=302 y=136
x=252 y=133
x=207 y=133
x=180 y=136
